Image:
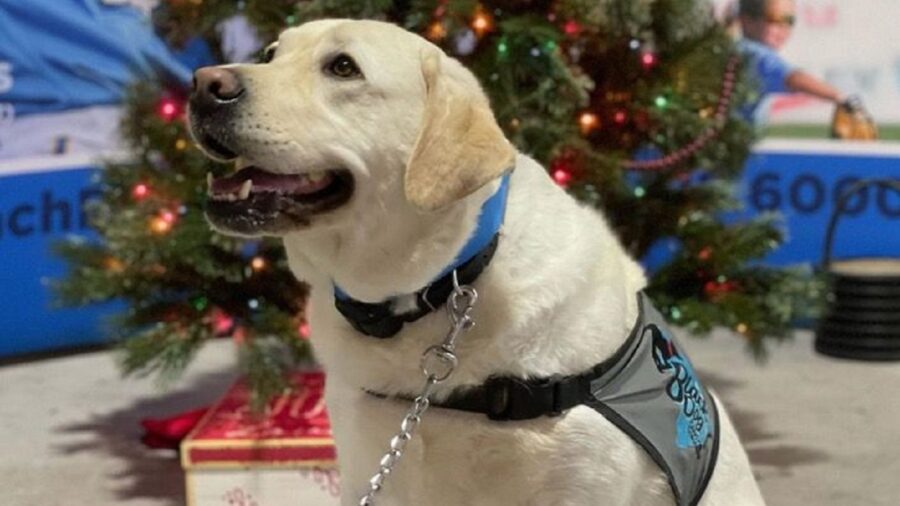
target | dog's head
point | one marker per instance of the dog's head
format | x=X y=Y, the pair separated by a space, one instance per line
x=338 y=119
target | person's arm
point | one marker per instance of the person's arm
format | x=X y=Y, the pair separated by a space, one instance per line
x=802 y=82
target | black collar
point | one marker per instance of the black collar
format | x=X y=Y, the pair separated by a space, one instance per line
x=379 y=320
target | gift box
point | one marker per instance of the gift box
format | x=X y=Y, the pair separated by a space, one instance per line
x=282 y=456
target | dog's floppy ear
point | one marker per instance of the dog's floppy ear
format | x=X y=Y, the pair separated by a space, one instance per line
x=460 y=146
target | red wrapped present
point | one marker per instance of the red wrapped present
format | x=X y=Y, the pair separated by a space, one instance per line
x=283 y=456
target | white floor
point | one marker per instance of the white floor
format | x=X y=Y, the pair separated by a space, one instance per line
x=819 y=431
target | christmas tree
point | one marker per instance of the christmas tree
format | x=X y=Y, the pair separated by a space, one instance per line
x=630 y=104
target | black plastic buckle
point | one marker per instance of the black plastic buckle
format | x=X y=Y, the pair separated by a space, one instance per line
x=514 y=399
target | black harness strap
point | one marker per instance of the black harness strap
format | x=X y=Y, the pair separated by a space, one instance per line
x=504 y=398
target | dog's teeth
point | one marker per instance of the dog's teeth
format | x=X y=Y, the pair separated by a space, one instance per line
x=245 y=190
x=315 y=177
x=209 y=183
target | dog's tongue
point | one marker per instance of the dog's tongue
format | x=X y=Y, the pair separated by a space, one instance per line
x=267 y=181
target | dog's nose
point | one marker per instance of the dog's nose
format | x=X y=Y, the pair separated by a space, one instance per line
x=217 y=84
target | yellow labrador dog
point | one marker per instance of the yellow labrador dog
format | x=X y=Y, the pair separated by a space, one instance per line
x=375 y=157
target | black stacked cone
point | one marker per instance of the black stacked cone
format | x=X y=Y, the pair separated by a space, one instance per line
x=863 y=317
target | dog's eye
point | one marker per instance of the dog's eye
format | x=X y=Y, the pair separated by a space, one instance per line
x=268 y=54
x=344 y=67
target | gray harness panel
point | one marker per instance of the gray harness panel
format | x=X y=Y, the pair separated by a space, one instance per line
x=654 y=396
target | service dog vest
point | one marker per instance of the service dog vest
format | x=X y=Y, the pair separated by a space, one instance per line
x=648 y=389
x=653 y=395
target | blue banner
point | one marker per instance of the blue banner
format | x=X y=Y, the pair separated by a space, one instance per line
x=802 y=180
x=42 y=201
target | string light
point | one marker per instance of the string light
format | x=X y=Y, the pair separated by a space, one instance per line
x=140 y=191
x=649 y=60
x=160 y=226
x=113 y=264
x=169 y=109
x=620 y=117
x=168 y=216
x=639 y=192
x=661 y=102
x=303 y=330
x=482 y=22
x=200 y=303
x=258 y=263
x=436 y=31
x=742 y=328
x=181 y=144
x=163 y=222
x=588 y=122
x=562 y=177
x=721 y=116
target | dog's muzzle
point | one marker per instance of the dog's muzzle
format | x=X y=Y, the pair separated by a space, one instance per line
x=218 y=92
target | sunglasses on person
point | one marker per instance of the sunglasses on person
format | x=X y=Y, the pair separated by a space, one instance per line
x=788 y=20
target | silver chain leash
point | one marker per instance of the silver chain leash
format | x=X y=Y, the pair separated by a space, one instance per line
x=438 y=363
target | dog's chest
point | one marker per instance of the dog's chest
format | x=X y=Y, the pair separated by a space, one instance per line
x=458 y=458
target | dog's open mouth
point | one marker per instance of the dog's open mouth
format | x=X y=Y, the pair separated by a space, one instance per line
x=254 y=201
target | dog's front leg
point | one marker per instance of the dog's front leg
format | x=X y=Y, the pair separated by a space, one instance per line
x=363 y=427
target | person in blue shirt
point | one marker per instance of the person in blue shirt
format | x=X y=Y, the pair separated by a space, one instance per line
x=766 y=25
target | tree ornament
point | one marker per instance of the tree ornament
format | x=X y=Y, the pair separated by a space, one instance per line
x=563 y=168
x=705 y=254
x=572 y=28
x=221 y=322
x=715 y=290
